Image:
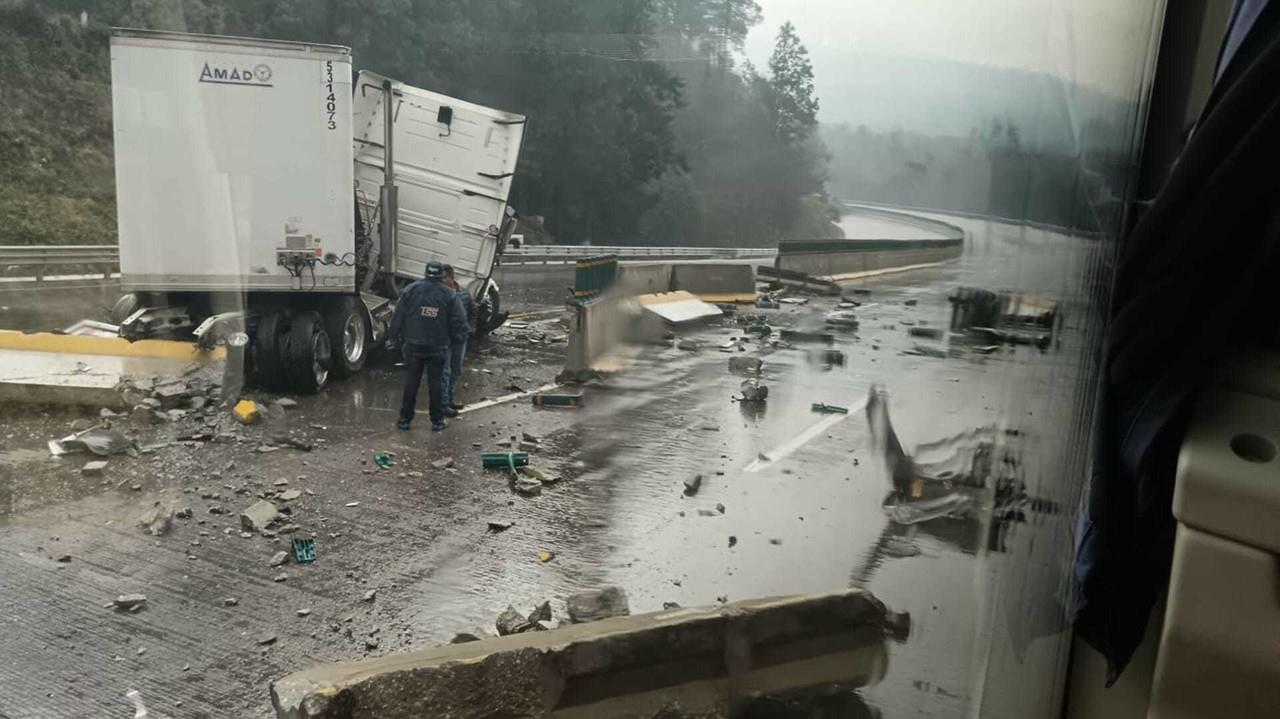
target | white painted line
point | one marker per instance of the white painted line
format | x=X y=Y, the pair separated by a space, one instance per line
x=487 y=403
x=507 y=398
x=885 y=271
x=781 y=452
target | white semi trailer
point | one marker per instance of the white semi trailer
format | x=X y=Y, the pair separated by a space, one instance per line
x=254 y=197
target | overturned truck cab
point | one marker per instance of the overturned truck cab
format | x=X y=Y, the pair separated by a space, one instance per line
x=266 y=194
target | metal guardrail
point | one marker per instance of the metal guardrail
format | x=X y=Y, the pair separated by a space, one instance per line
x=548 y=254
x=37 y=260
x=40 y=261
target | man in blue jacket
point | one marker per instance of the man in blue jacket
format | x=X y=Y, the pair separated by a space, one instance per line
x=429 y=318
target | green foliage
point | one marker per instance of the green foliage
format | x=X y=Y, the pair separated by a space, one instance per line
x=791 y=96
x=621 y=145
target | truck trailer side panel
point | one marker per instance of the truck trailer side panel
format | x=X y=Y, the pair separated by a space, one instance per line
x=233 y=163
x=454 y=161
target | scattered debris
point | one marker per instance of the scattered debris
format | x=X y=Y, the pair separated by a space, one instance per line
x=289 y=495
x=798 y=336
x=598 y=604
x=500 y=525
x=463 y=638
x=775 y=541
x=442 y=464
x=383 y=459
x=98 y=440
x=931 y=333
x=157 y=521
x=278 y=559
x=266 y=640
x=304 y=549
x=829 y=408
x=304 y=612
x=719 y=507
x=369 y=596
x=230 y=602
x=986 y=349
x=911 y=303
x=286 y=403
x=94 y=469
x=558 y=399
x=129 y=602
x=246 y=411
x=541 y=613
x=746 y=365
x=733 y=541
x=64 y=559
x=923 y=351
x=841 y=319
x=258 y=516
x=512 y=622
x=754 y=391
x=692 y=485
x=280 y=577
x=544 y=556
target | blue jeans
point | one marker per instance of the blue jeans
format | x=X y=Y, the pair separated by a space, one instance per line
x=417 y=359
x=453 y=371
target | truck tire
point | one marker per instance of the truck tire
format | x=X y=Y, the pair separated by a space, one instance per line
x=269 y=343
x=309 y=352
x=348 y=329
x=125 y=306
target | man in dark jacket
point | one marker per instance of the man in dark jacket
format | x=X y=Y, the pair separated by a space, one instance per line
x=428 y=319
x=453 y=371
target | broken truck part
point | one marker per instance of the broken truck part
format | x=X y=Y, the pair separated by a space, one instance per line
x=237 y=215
x=700 y=660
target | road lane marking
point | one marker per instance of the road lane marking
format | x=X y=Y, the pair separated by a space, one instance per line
x=782 y=451
x=508 y=397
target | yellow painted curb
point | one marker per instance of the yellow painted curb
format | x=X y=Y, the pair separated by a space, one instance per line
x=732 y=298
x=116 y=346
x=664 y=297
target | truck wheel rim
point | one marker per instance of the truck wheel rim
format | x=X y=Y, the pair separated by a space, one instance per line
x=320 y=358
x=353 y=338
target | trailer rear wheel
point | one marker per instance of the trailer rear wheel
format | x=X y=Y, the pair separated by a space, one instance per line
x=125 y=306
x=309 y=352
x=349 y=334
x=271 y=339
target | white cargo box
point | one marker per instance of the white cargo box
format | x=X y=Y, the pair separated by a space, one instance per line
x=454 y=161
x=232 y=156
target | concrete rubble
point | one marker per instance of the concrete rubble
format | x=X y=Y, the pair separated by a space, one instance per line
x=259 y=516
x=669 y=663
x=597 y=604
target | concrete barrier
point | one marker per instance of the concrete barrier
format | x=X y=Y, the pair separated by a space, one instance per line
x=861 y=258
x=48 y=368
x=697 y=660
x=719 y=282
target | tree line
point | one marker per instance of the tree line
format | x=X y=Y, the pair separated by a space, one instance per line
x=643 y=128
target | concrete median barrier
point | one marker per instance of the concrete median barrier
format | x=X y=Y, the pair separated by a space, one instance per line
x=716 y=282
x=64 y=369
x=696 y=662
x=850 y=259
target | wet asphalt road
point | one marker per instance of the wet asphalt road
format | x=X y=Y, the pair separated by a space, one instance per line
x=984 y=595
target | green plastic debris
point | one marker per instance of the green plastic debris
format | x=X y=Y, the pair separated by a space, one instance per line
x=558 y=399
x=829 y=408
x=304 y=550
x=382 y=459
x=504 y=460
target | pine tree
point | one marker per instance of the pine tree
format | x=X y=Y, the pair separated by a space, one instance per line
x=794 y=105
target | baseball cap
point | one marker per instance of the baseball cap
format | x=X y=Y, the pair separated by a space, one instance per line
x=434 y=269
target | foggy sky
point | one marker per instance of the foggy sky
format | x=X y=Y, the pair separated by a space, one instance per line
x=1098 y=44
